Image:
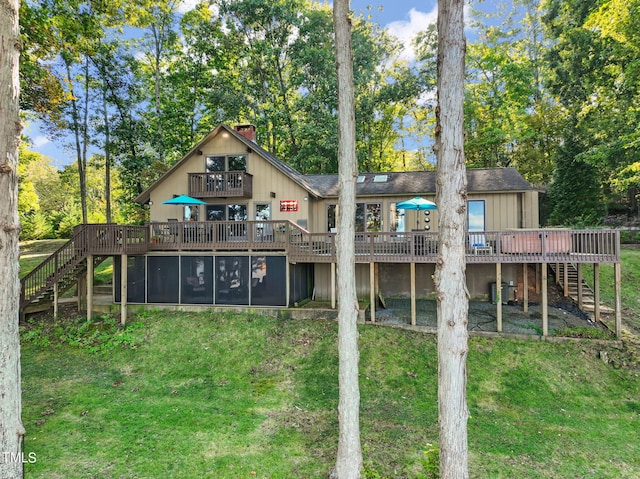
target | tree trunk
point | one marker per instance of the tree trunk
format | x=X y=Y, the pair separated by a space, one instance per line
x=75 y=115
x=107 y=156
x=11 y=429
x=349 y=456
x=450 y=282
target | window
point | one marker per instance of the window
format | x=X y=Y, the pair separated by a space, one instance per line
x=191 y=212
x=237 y=212
x=263 y=211
x=216 y=212
x=226 y=163
x=331 y=218
x=396 y=219
x=227 y=212
x=237 y=163
x=368 y=217
x=476 y=215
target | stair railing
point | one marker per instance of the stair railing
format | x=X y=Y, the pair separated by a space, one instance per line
x=54 y=268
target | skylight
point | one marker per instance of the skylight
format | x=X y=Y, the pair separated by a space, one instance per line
x=360 y=179
x=380 y=178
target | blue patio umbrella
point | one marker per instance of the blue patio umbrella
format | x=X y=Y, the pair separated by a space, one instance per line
x=418 y=204
x=184 y=200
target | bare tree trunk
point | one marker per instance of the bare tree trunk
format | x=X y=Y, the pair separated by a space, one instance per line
x=451 y=197
x=76 y=126
x=107 y=156
x=11 y=429
x=349 y=457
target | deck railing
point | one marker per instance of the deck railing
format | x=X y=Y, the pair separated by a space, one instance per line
x=87 y=239
x=513 y=246
x=221 y=184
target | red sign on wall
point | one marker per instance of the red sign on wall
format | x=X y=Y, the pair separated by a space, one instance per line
x=288 y=205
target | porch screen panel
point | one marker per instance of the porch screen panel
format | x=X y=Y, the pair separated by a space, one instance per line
x=232 y=280
x=163 y=279
x=268 y=281
x=197 y=279
x=301 y=282
x=135 y=279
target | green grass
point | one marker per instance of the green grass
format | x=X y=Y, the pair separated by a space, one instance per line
x=184 y=395
x=630 y=272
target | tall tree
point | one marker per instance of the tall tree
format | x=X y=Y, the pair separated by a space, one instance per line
x=349 y=457
x=450 y=282
x=580 y=63
x=11 y=428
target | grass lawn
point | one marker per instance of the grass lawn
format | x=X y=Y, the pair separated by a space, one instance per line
x=185 y=395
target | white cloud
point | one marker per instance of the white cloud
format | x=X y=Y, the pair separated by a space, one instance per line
x=406 y=30
x=39 y=141
x=187 y=5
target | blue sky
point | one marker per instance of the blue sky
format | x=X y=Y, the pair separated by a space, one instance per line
x=402 y=18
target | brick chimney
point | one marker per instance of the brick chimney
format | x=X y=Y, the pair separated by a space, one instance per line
x=248 y=131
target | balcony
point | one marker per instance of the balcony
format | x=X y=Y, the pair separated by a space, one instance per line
x=221 y=184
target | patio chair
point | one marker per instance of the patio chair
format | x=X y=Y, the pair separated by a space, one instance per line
x=479 y=245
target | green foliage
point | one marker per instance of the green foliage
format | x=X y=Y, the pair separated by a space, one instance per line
x=575 y=194
x=540 y=76
x=99 y=336
x=584 y=333
x=431 y=462
x=34 y=225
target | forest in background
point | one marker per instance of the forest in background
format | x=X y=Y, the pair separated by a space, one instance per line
x=552 y=89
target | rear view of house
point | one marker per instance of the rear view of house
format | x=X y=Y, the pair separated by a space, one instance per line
x=250 y=231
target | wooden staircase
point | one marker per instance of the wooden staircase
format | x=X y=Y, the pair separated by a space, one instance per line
x=62 y=270
x=588 y=297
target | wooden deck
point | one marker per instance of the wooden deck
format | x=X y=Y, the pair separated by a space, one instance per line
x=513 y=246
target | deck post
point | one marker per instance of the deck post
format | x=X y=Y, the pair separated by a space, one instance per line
x=579 y=286
x=333 y=286
x=89 y=287
x=596 y=292
x=372 y=290
x=287 y=285
x=55 y=300
x=81 y=286
x=618 y=278
x=413 y=294
x=499 y=297
x=545 y=300
x=565 y=280
x=538 y=275
x=525 y=287
x=123 y=290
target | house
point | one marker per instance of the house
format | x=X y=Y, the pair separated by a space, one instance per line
x=261 y=234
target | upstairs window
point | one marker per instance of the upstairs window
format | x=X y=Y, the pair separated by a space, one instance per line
x=226 y=163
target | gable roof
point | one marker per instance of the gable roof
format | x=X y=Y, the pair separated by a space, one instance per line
x=296 y=176
x=483 y=180
x=479 y=180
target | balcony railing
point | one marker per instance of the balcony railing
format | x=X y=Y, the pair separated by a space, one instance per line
x=514 y=246
x=221 y=184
